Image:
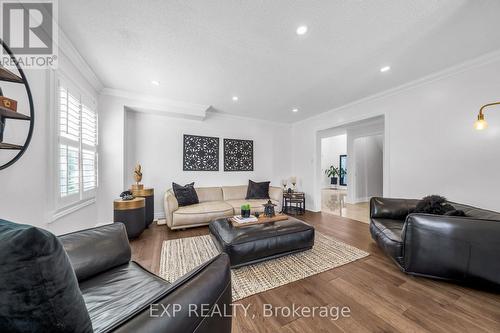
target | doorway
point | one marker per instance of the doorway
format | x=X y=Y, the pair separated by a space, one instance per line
x=334 y=180
x=358 y=149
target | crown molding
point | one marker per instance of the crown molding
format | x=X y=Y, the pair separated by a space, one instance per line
x=174 y=113
x=137 y=102
x=140 y=97
x=218 y=113
x=67 y=48
x=480 y=61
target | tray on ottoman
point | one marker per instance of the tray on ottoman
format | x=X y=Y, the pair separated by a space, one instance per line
x=261 y=242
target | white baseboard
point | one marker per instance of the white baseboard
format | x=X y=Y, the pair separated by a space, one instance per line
x=159 y=215
x=160 y=218
x=359 y=200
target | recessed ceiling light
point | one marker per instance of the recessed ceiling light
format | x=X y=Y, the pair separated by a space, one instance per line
x=385 y=69
x=235 y=98
x=301 y=30
x=295 y=110
x=155 y=83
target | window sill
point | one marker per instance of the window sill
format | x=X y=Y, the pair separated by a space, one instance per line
x=71 y=209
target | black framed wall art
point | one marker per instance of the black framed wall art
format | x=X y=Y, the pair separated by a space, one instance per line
x=238 y=155
x=201 y=153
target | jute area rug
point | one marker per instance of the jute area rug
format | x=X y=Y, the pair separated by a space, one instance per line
x=180 y=256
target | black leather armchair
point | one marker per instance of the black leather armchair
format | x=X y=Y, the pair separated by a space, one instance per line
x=118 y=292
x=455 y=248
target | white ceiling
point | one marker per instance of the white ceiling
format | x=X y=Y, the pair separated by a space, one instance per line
x=205 y=52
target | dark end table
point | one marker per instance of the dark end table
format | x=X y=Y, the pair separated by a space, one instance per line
x=132 y=214
x=294 y=203
x=149 y=195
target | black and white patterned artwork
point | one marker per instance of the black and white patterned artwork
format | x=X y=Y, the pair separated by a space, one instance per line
x=201 y=153
x=238 y=155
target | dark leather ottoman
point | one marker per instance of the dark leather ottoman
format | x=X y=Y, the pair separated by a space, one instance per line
x=254 y=243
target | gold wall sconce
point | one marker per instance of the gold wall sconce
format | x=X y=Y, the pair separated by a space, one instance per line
x=481 y=124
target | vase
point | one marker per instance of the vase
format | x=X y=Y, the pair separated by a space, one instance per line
x=245 y=213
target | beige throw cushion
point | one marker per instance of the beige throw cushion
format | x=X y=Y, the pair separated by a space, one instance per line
x=209 y=194
x=234 y=192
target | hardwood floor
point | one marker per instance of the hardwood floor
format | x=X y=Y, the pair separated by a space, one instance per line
x=333 y=201
x=379 y=296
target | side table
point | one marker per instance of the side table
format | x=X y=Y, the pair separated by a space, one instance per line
x=294 y=203
x=149 y=195
x=132 y=214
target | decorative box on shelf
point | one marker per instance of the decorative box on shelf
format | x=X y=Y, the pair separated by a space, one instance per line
x=8 y=103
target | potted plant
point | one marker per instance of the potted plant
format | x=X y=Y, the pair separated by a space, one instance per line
x=245 y=210
x=333 y=172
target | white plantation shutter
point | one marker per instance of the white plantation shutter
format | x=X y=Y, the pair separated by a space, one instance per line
x=89 y=170
x=89 y=148
x=69 y=170
x=89 y=126
x=77 y=141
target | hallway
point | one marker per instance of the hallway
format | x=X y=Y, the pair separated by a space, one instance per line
x=333 y=202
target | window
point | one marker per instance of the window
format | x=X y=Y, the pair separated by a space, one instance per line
x=77 y=146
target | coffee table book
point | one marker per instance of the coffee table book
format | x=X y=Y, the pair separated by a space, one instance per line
x=260 y=220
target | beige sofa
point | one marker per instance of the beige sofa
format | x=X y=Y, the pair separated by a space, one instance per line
x=214 y=202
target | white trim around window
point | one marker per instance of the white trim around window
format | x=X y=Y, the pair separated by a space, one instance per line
x=74 y=148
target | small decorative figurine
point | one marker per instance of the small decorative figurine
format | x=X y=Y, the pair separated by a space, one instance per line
x=269 y=209
x=138 y=173
x=127 y=195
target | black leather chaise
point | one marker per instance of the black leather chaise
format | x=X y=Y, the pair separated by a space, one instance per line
x=457 y=248
x=44 y=278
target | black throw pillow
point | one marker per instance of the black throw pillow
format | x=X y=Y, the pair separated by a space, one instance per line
x=38 y=287
x=185 y=195
x=257 y=190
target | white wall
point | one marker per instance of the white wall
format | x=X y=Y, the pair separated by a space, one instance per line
x=156 y=141
x=367 y=168
x=27 y=187
x=23 y=189
x=430 y=145
x=331 y=148
x=362 y=129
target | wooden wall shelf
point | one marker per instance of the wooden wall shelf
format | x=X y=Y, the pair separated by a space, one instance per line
x=10 y=146
x=6 y=75
x=6 y=114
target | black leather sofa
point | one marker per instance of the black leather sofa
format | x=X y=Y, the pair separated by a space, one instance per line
x=117 y=292
x=463 y=249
